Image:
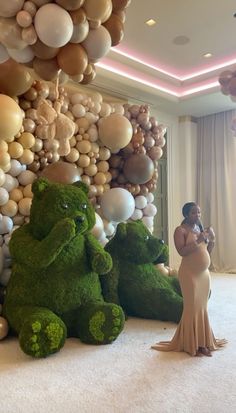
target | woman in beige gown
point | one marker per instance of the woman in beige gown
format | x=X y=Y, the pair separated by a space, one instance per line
x=193 y=334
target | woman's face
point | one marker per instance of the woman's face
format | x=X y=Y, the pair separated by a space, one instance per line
x=194 y=214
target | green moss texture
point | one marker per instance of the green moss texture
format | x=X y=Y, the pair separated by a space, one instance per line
x=54 y=290
x=134 y=282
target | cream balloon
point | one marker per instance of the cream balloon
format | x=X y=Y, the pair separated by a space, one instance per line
x=9 y=8
x=53 y=25
x=10 y=34
x=21 y=56
x=97 y=44
x=10 y=118
x=4 y=56
x=117 y=204
x=115 y=131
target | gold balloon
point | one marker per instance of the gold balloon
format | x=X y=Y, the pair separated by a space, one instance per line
x=10 y=118
x=61 y=172
x=72 y=59
x=15 y=78
x=120 y=4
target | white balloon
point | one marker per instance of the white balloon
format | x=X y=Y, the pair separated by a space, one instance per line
x=4 y=197
x=21 y=56
x=4 y=56
x=150 y=210
x=117 y=204
x=118 y=108
x=10 y=183
x=137 y=215
x=6 y=224
x=148 y=221
x=150 y=197
x=140 y=202
x=26 y=177
x=109 y=228
x=16 y=167
x=78 y=110
x=53 y=25
x=105 y=109
x=98 y=229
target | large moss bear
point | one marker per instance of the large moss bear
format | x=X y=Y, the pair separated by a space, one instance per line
x=54 y=290
x=134 y=282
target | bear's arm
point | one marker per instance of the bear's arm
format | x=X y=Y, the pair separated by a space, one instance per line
x=27 y=250
x=100 y=260
x=109 y=284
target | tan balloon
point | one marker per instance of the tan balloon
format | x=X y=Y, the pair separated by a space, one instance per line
x=70 y=4
x=138 y=169
x=15 y=79
x=78 y=16
x=10 y=8
x=72 y=59
x=46 y=69
x=10 y=118
x=10 y=34
x=98 y=10
x=61 y=172
x=44 y=52
x=115 y=131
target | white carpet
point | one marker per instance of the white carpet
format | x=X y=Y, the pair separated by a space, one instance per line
x=127 y=376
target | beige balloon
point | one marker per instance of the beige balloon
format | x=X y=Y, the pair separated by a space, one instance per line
x=10 y=34
x=44 y=52
x=10 y=8
x=10 y=118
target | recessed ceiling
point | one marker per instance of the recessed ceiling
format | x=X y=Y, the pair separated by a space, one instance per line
x=149 y=56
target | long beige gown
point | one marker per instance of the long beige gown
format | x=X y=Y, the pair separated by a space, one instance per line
x=194 y=329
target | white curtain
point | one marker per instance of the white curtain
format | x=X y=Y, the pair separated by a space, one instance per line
x=216 y=185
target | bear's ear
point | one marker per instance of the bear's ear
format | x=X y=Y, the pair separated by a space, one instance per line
x=121 y=231
x=39 y=186
x=82 y=186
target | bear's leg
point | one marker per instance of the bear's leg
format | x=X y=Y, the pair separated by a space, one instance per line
x=100 y=323
x=40 y=331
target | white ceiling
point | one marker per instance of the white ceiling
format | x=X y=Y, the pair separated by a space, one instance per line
x=158 y=69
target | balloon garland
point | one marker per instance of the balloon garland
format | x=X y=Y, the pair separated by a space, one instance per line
x=61 y=36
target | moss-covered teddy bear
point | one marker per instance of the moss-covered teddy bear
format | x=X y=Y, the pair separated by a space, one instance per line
x=134 y=282
x=54 y=290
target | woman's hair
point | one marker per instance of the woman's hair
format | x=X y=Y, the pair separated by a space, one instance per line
x=187 y=207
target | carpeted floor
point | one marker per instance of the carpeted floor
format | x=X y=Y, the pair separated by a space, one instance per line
x=127 y=376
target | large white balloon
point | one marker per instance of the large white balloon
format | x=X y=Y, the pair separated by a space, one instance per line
x=97 y=44
x=117 y=204
x=53 y=25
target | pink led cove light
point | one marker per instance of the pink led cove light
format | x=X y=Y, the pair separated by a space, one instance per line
x=180 y=78
x=137 y=79
x=172 y=92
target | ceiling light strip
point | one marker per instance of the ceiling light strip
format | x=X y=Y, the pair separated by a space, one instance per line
x=180 y=78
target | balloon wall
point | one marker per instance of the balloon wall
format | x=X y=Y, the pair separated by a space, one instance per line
x=69 y=136
x=63 y=37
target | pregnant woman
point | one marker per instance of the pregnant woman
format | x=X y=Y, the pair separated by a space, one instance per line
x=193 y=334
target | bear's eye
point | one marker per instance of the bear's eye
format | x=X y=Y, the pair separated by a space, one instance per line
x=146 y=237
x=84 y=206
x=65 y=205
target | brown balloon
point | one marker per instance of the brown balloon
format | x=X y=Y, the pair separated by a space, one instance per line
x=44 y=52
x=61 y=172
x=138 y=169
x=46 y=69
x=120 y=4
x=15 y=78
x=72 y=59
x=116 y=29
x=78 y=16
x=90 y=77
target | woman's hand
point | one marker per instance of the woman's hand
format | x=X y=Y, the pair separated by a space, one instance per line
x=210 y=234
x=202 y=237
